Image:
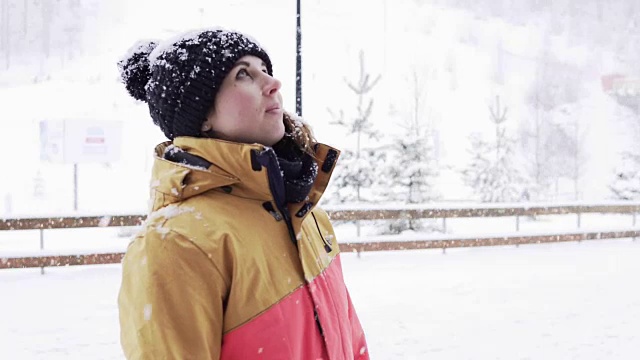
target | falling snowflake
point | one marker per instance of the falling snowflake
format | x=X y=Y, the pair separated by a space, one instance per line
x=104 y=221
x=162 y=230
x=147 y=312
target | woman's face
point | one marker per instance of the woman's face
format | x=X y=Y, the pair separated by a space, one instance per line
x=248 y=106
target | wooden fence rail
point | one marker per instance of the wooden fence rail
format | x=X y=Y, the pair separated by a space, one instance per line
x=347 y=215
x=336 y=214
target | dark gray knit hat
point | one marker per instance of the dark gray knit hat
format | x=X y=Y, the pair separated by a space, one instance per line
x=179 y=79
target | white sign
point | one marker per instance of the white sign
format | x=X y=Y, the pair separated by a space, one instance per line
x=80 y=141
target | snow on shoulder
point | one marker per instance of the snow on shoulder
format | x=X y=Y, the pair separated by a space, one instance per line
x=169 y=211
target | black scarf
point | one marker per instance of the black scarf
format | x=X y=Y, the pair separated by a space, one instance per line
x=299 y=169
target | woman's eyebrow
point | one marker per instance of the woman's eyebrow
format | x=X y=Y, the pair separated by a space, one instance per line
x=245 y=63
x=242 y=63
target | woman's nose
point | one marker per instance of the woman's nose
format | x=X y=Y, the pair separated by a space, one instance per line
x=272 y=85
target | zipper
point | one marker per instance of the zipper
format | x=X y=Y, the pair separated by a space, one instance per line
x=317 y=317
x=287 y=220
x=273 y=170
x=273 y=175
x=327 y=246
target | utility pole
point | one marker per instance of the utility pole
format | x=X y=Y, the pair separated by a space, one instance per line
x=298 y=61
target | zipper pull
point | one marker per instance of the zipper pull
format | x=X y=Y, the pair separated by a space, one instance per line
x=268 y=206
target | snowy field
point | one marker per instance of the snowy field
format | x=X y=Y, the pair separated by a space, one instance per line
x=556 y=301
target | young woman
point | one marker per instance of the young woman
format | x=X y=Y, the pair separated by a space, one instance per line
x=234 y=261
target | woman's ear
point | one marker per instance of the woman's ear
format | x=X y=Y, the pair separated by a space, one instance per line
x=207 y=125
x=207 y=129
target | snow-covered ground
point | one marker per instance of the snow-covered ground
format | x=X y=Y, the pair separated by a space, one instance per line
x=555 y=301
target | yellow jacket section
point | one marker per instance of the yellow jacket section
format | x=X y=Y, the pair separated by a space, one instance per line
x=209 y=257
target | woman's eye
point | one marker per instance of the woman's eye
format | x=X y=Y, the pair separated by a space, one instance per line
x=242 y=73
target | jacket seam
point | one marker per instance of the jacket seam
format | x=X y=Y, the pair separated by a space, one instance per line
x=266 y=197
x=264 y=310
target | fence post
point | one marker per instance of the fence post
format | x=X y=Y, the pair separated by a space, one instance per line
x=634 y=224
x=579 y=223
x=42 y=248
x=579 y=219
x=517 y=222
x=444 y=225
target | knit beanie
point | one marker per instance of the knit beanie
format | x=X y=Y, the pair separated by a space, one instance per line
x=179 y=78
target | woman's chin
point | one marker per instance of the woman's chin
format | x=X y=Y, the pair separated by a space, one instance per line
x=274 y=140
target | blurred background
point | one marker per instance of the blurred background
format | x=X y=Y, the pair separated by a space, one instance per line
x=490 y=100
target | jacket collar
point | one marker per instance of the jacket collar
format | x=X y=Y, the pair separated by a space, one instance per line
x=234 y=168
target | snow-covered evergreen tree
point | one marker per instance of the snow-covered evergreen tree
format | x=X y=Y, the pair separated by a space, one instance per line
x=493 y=173
x=409 y=175
x=357 y=171
x=411 y=172
x=411 y=169
x=356 y=175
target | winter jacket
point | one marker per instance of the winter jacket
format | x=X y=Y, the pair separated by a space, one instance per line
x=220 y=271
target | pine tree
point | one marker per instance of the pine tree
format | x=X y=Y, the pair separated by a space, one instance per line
x=493 y=173
x=413 y=169
x=356 y=175
x=357 y=169
x=410 y=172
x=409 y=175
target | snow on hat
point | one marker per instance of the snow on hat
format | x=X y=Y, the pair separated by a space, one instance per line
x=179 y=79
